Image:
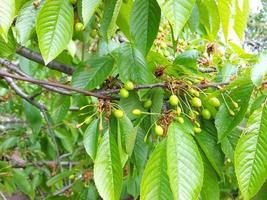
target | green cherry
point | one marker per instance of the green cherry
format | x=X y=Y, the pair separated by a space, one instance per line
x=206 y=114
x=197 y=130
x=137 y=112
x=196 y=102
x=178 y=111
x=129 y=85
x=147 y=104
x=79 y=27
x=214 y=102
x=180 y=120
x=124 y=93
x=159 y=130
x=118 y=113
x=174 y=100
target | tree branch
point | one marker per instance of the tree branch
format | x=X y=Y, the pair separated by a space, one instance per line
x=58 y=85
x=36 y=57
x=13 y=67
x=19 y=92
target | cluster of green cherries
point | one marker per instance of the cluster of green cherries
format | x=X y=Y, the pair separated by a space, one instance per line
x=174 y=102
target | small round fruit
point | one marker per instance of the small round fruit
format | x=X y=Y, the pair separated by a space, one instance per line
x=178 y=111
x=196 y=102
x=214 y=102
x=194 y=92
x=180 y=120
x=159 y=130
x=124 y=93
x=174 y=100
x=235 y=104
x=79 y=27
x=136 y=112
x=206 y=114
x=129 y=85
x=72 y=176
x=73 y=1
x=197 y=130
x=148 y=104
x=232 y=113
x=118 y=113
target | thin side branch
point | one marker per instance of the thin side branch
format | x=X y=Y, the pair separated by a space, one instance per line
x=19 y=92
x=36 y=57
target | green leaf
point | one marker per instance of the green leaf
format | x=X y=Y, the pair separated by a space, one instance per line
x=99 y=69
x=25 y=22
x=185 y=167
x=108 y=170
x=7 y=14
x=22 y=181
x=251 y=155
x=88 y=9
x=7 y=49
x=132 y=65
x=33 y=116
x=208 y=142
x=111 y=12
x=177 y=12
x=145 y=19
x=224 y=8
x=90 y=139
x=8 y=143
x=241 y=17
x=259 y=70
x=229 y=143
x=54 y=28
x=241 y=91
x=157 y=95
x=60 y=108
x=155 y=182
x=57 y=178
x=210 y=189
x=187 y=59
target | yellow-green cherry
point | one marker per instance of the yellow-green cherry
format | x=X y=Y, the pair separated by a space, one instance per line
x=129 y=85
x=180 y=120
x=137 y=112
x=214 y=102
x=174 y=100
x=118 y=113
x=196 y=102
x=197 y=130
x=124 y=93
x=206 y=114
x=79 y=27
x=148 y=104
x=159 y=130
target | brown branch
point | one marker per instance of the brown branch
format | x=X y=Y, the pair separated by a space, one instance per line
x=54 y=84
x=14 y=67
x=36 y=57
x=19 y=92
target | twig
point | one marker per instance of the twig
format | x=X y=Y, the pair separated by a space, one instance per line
x=58 y=85
x=3 y=196
x=14 y=67
x=55 y=65
x=19 y=92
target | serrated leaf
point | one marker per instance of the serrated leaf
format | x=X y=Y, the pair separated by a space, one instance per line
x=157 y=95
x=132 y=65
x=88 y=8
x=155 y=182
x=7 y=48
x=229 y=143
x=241 y=17
x=208 y=142
x=251 y=155
x=185 y=167
x=90 y=139
x=240 y=93
x=108 y=170
x=123 y=20
x=25 y=22
x=210 y=189
x=259 y=70
x=54 y=28
x=111 y=12
x=99 y=69
x=60 y=108
x=177 y=12
x=224 y=8
x=145 y=19
x=7 y=14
